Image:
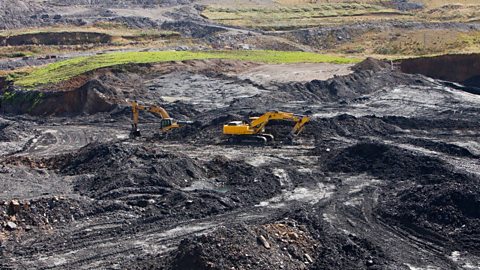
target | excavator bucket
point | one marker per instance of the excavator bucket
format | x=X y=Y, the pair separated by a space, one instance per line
x=135 y=132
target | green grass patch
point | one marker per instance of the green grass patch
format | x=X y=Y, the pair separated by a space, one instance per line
x=59 y=71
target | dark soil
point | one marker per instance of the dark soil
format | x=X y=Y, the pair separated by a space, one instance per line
x=363 y=187
x=447 y=212
x=350 y=87
x=393 y=164
x=371 y=64
x=139 y=174
x=442 y=147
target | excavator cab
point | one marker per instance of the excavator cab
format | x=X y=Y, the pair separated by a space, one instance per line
x=166 y=123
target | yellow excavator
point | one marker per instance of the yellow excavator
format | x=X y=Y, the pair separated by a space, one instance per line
x=254 y=132
x=166 y=122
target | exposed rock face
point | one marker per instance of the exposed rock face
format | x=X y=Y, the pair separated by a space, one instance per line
x=463 y=69
x=88 y=99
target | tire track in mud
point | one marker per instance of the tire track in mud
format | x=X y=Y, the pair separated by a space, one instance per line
x=128 y=236
x=351 y=210
x=137 y=239
x=54 y=140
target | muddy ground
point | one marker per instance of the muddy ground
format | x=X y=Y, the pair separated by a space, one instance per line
x=385 y=176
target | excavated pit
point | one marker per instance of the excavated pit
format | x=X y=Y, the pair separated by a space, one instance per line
x=383 y=177
x=462 y=69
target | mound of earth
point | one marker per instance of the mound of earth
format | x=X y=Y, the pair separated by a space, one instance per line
x=167 y=183
x=447 y=212
x=355 y=252
x=346 y=125
x=346 y=88
x=371 y=64
x=122 y=165
x=438 y=146
x=268 y=246
x=392 y=163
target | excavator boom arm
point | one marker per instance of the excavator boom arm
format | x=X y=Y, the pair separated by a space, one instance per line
x=300 y=120
x=166 y=124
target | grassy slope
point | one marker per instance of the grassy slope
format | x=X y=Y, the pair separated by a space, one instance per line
x=64 y=70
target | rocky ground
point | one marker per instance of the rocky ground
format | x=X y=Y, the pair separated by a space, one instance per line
x=385 y=176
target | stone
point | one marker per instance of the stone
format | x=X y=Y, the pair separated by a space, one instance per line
x=264 y=241
x=309 y=259
x=11 y=225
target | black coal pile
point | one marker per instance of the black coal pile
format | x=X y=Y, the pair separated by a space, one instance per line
x=433 y=201
x=269 y=246
x=337 y=250
x=346 y=125
x=165 y=182
x=392 y=163
x=446 y=213
x=371 y=64
x=122 y=165
x=432 y=124
x=442 y=147
x=367 y=79
x=243 y=179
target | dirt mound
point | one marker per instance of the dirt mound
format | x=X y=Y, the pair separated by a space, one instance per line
x=88 y=99
x=447 y=213
x=347 y=88
x=122 y=165
x=371 y=64
x=430 y=124
x=356 y=252
x=166 y=182
x=269 y=246
x=346 y=125
x=392 y=163
x=443 y=147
